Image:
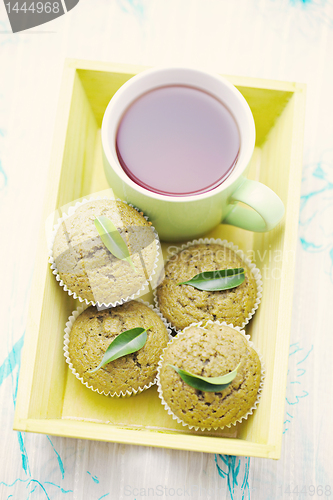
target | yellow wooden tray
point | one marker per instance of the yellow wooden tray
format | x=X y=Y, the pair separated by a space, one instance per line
x=50 y=399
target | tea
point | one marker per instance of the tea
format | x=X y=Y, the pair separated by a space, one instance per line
x=177 y=140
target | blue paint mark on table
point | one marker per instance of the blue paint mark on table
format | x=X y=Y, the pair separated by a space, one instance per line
x=312 y=5
x=94 y=478
x=304 y=2
x=10 y=485
x=230 y=469
x=103 y=496
x=11 y=367
x=135 y=7
x=57 y=486
x=316 y=210
x=305 y=18
x=61 y=465
x=12 y=360
x=38 y=483
x=295 y=391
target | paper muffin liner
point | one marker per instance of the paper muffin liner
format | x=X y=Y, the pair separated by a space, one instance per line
x=55 y=271
x=203 y=325
x=69 y=326
x=254 y=270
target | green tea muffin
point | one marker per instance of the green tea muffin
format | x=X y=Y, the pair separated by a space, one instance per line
x=88 y=269
x=93 y=331
x=183 y=305
x=210 y=352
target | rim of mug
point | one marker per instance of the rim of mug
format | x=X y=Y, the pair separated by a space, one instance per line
x=109 y=149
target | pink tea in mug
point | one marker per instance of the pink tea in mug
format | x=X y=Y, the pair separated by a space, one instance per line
x=177 y=141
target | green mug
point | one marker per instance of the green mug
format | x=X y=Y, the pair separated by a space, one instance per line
x=185 y=217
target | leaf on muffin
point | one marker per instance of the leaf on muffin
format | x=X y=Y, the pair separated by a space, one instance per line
x=206 y=384
x=112 y=239
x=213 y=281
x=125 y=343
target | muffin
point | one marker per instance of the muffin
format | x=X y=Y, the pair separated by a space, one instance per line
x=89 y=335
x=210 y=352
x=183 y=305
x=88 y=269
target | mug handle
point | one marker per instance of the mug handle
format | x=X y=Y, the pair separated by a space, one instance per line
x=267 y=211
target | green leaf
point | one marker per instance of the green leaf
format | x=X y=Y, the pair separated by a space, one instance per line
x=112 y=239
x=206 y=384
x=125 y=343
x=213 y=281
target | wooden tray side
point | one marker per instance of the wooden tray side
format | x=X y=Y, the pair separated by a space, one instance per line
x=41 y=271
x=101 y=85
x=277 y=249
x=106 y=84
x=292 y=187
x=272 y=101
x=79 y=148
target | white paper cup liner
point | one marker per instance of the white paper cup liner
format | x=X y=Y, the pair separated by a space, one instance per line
x=254 y=270
x=261 y=385
x=55 y=271
x=69 y=326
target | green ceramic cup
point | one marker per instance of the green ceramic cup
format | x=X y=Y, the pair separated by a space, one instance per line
x=185 y=217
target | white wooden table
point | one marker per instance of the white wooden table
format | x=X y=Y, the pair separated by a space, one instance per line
x=278 y=39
